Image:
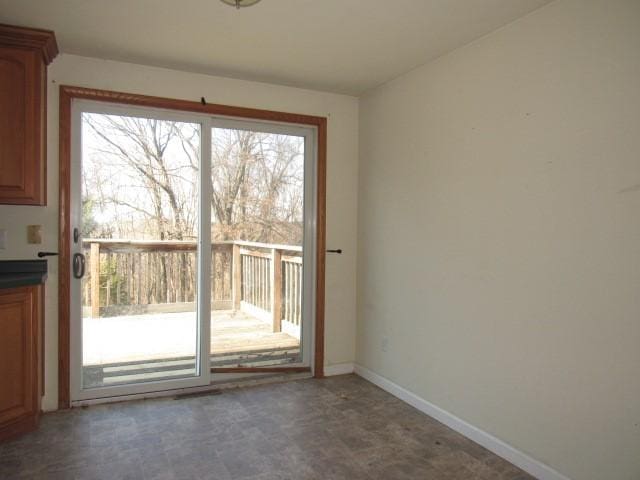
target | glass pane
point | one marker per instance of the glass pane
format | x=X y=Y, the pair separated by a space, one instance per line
x=257 y=211
x=139 y=232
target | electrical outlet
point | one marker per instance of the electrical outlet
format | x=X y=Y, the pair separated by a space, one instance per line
x=384 y=344
x=3 y=239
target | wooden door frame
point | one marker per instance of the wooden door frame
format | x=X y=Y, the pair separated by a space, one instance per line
x=67 y=95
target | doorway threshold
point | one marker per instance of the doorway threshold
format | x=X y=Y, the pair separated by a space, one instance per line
x=224 y=382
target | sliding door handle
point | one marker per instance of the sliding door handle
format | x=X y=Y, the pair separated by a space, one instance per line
x=78 y=265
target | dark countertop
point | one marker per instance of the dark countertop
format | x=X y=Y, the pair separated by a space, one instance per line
x=22 y=273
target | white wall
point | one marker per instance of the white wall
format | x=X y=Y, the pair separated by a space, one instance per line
x=342 y=171
x=499 y=235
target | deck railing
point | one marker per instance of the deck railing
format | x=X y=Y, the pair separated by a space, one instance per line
x=138 y=276
x=270 y=277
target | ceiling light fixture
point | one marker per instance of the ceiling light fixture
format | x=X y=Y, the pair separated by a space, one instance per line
x=240 y=3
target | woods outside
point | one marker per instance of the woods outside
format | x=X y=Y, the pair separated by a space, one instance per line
x=140 y=182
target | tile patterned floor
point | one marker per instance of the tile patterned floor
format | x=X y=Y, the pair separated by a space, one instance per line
x=336 y=428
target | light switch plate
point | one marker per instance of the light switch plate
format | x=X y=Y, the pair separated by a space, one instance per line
x=34 y=234
x=3 y=239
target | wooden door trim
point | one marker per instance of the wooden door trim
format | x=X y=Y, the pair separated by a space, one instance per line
x=67 y=95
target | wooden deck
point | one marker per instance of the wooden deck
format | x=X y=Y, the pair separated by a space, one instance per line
x=239 y=332
x=150 y=347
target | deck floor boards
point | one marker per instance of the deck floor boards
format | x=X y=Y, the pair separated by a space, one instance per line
x=126 y=349
x=240 y=332
x=172 y=335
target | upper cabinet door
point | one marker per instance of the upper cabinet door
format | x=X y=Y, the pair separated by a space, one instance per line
x=22 y=175
x=24 y=55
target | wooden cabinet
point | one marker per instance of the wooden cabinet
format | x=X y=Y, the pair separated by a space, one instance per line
x=20 y=359
x=24 y=56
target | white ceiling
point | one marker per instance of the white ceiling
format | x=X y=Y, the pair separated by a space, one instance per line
x=343 y=46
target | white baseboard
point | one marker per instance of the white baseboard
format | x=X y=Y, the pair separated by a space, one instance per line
x=338 y=369
x=488 y=441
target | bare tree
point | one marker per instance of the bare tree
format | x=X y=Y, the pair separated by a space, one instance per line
x=140 y=145
x=255 y=177
x=138 y=150
x=141 y=182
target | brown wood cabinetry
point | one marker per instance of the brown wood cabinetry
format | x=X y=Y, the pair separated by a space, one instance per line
x=24 y=56
x=20 y=359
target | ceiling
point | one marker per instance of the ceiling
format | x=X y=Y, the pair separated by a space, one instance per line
x=342 y=46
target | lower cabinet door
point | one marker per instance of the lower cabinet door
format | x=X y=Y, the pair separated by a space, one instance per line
x=19 y=342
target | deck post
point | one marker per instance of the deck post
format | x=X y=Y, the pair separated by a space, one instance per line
x=95 y=280
x=276 y=289
x=236 y=284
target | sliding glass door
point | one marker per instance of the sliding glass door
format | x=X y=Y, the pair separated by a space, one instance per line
x=140 y=251
x=259 y=205
x=193 y=248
